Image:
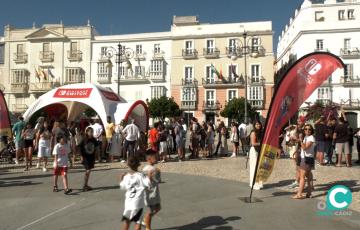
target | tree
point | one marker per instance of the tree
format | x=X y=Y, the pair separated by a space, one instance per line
x=163 y=107
x=235 y=109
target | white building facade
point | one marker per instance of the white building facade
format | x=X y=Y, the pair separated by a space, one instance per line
x=35 y=60
x=144 y=69
x=332 y=26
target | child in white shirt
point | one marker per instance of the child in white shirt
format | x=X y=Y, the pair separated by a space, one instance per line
x=135 y=184
x=61 y=158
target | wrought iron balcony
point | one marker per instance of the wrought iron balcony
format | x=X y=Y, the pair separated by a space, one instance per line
x=74 y=55
x=351 y=104
x=211 y=105
x=257 y=51
x=256 y=80
x=139 y=56
x=321 y=50
x=189 y=83
x=158 y=55
x=104 y=78
x=19 y=87
x=258 y=104
x=350 y=53
x=20 y=57
x=222 y=83
x=132 y=79
x=188 y=105
x=189 y=53
x=43 y=86
x=47 y=56
x=211 y=52
x=350 y=81
x=233 y=51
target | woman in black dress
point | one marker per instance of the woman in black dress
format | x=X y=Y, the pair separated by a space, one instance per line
x=88 y=150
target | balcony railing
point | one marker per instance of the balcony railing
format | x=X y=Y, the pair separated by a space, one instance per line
x=132 y=79
x=350 y=81
x=257 y=51
x=212 y=83
x=74 y=55
x=20 y=57
x=258 y=104
x=233 y=51
x=211 y=52
x=190 y=83
x=74 y=79
x=256 y=80
x=350 y=104
x=324 y=101
x=19 y=108
x=189 y=53
x=188 y=105
x=47 y=56
x=104 y=78
x=139 y=56
x=19 y=87
x=321 y=50
x=157 y=76
x=211 y=105
x=43 y=86
x=350 y=53
x=158 y=55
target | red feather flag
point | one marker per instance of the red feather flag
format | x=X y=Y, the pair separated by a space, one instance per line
x=5 y=128
x=300 y=81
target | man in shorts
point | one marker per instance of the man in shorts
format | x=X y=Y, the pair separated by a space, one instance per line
x=17 y=130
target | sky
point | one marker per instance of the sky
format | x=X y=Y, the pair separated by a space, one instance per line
x=138 y=16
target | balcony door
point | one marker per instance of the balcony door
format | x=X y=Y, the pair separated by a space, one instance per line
x=189 y=47
x=347 y=45
x=255 y=73
x=348 y=71
x=46 y=47
x=210 y=79
x=210 y=98
x=232 y=46
x=20 y=48
x=188 y=75
x=210 y=46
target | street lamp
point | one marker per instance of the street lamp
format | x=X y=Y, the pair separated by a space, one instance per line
x=121 y=51
x=187 y=92
x=246 y=49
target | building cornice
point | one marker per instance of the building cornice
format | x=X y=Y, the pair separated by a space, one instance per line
x=222 y=35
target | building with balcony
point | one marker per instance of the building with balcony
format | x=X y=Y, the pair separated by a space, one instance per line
x=199 y=48
x=37 y=59
x=332 y=26
x=144 y=73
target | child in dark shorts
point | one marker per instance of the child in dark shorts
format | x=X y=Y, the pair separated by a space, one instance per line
x=88 y=150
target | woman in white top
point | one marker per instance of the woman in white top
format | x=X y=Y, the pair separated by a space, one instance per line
x=307 y=162
x=43 y=143
x=234 y=137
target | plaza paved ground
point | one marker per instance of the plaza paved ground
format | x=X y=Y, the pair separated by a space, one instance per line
x=190 y=202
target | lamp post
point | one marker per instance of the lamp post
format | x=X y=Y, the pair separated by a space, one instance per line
x=188 y=95
x=246 y=79
x=120 y=52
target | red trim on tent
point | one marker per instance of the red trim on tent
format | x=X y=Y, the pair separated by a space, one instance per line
x=136 y=103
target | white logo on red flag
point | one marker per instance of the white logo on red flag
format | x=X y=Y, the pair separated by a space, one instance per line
x=73 y=93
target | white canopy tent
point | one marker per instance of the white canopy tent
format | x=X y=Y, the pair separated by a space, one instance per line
x=78 y=97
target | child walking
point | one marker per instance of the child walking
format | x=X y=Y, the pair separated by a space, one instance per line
x=135 y=184
x=61 y=157
x=88 y=148
x=152 y=194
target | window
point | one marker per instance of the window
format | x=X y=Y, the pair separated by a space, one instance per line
x=210 y=47
x=139 y=70
x=46 y=47
x=232 y=45
x=232 y=94
x=102 y=68
x=341 y=14
x=232 y=69
x=347 y=45
x=122 y=70
x=73 y=46
x=157 y=48
x=156 y=66
x=2 y=53
x=255 y=73
x=210 y=79
x=74 y=75
x=319 y=44
x=350 y=14
x=19 y=76
x=103 y=51
x=138 y=49
x=188 y=95
x=256 y=96
x=158 y=91
x=188 y=75
x=188 y=47
x=319 y=16
x=210 y=97
x=20 y=48
x=348 y=71
x=324 y=93
x=255 y=42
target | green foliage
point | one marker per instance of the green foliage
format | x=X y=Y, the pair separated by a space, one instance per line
x=90 y=112
x=163 y=107
x=318 y=109
x=235 y=109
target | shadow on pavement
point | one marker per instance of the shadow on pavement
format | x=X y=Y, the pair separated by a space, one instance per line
x=211 y=221
x=17 y=183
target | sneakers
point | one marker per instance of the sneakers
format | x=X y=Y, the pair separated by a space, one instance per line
x=233 y=155
x=37 y=165
x=294 y=185
x=68 y=191
x=44 y=169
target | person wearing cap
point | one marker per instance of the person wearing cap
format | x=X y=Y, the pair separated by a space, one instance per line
x=132 y=134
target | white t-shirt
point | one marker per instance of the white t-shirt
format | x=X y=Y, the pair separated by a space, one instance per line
x=132 y=132
x=62 y=152
x=242 y=130
x=135 y=185
x=98 y=129
x=309 y=152
x=153 y=193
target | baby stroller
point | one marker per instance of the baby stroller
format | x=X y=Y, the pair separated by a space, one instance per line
x=7 y=150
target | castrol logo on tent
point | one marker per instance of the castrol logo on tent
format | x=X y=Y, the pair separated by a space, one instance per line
x=73 y=93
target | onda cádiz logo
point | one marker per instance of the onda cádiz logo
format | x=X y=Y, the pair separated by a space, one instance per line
x=73 y=93
x=338 y=199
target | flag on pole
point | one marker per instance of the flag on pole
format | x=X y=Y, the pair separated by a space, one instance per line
x=43 y=73
x=299 y=82
x=233 y=71
x=5 y=128
x=50 y=73
x=214 y=70
x=37 y=75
